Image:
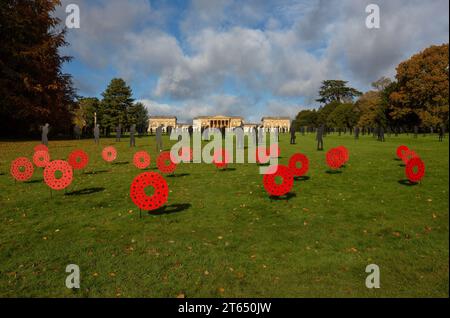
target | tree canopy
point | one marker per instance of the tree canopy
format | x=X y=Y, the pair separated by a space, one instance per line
x=336 y=91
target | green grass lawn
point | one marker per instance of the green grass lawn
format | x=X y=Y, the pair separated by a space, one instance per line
x=230 y=239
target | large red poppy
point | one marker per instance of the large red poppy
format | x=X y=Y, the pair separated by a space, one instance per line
x=41 y=158
x=66 y=174
x=344 y=152
x=40 y=147
x=78 y=159
x=415 y=169
x=144 y=201
x=294 y=160
x=141 y=159
x=401 y=150
x=270 y=184
x=109 y=154
x=221 y=158
x=335 y=158
x=22 y=169
x=165 y=163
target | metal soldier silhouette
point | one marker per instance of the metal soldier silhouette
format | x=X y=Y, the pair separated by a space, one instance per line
x=292 y=131
x=77 y=132
x=159 y=144
x=319 y=137
x=416 y=131
x=357 y=133
x=97 y=134
x=132 y=133
x=44 y=136
x=118 y=132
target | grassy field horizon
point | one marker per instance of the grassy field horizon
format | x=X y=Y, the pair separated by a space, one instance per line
x=221 y=235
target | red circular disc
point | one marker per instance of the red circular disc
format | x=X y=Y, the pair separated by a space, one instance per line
x=401 y=150
x=40 y=147
x=274 y=151
x=109 y=154
x=58 y=183
x=141 y=159
x=41 y=158
x=221 y=158
x=22 y=169
x=78 y=159
x=270 y=184
x=261 y=155
x=345 y=153
x=144 y=201
x=165 y=163
x=335 y=158
x=415 y=169
x=295 y=158
x=408 y=155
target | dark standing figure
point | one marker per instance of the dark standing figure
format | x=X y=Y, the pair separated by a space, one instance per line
x=441 y=132
x=292 y=131
x=151 y=131
x=77 y=132
x=190 y=131
x=118 y=132
x=132 y=133
x=416 y=131
x=319 y=138
x=159 y=144
x=44 y=137
x=97 y=134
x=357 y=133
x=380 y=133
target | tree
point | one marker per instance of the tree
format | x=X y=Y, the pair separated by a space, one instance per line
x=336 y=91
x=88 y=108
x=370 y=109
x=138 y=115
x=33 y=89
x=325 y=111
x=421 y=95
x=306 y=117
x=381 y=84
x=343 y=116
x=115 y=104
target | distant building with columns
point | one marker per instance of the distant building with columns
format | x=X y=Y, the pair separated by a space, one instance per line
x=216 y=122
x=166 y=121
x=282 y=123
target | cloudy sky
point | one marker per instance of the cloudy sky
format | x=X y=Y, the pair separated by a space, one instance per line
x=246 y=57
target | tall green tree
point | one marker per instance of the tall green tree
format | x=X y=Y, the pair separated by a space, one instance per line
x=306 y=117
x=33 y=88
x=324 y=112
x=343 y=116
x=336 y=91
x=138 y=115
x=87 y=110
x=117 y=99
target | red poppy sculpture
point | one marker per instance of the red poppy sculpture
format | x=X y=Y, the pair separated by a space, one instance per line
x=408 y=155
x=401 y=150
x=109 y=154
x=278 y=172
x=335 y=158
x=21 y=169
x=344 y=152
x=415 y=169
x=221 y=158
x=78 y=159
x=66 y=174
x=41 y=158
x=40 y=147
x=149 y=202
x=293 y=164
x=165 y=163
x=141 y=159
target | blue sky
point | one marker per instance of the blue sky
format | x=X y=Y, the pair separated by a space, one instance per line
x=249 y=58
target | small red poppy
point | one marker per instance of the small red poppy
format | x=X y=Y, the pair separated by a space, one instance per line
x=415 y=169
x=296 y=158
x=41 y=158
x=270 y=184
x=109 y=154
x=335 y=158
x=22 y=169
x=221 y=158
x=141 y=159
x=78 y=159
x=144 y=201
x=401 y=150
x=165 y=163
x=40 y=147
x=58 y=183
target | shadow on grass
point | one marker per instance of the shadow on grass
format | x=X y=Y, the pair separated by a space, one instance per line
x=98 y=171
x=228 y=169
x=2 y=173
x=333 y=171
x=407 y=183
x=34 y=181
x=86 y=191
x=397 y=159
x=178 y=175
x=121 y=163
x=285 y=197
x=402 y=165
x=169 y=209
x=302 y=178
